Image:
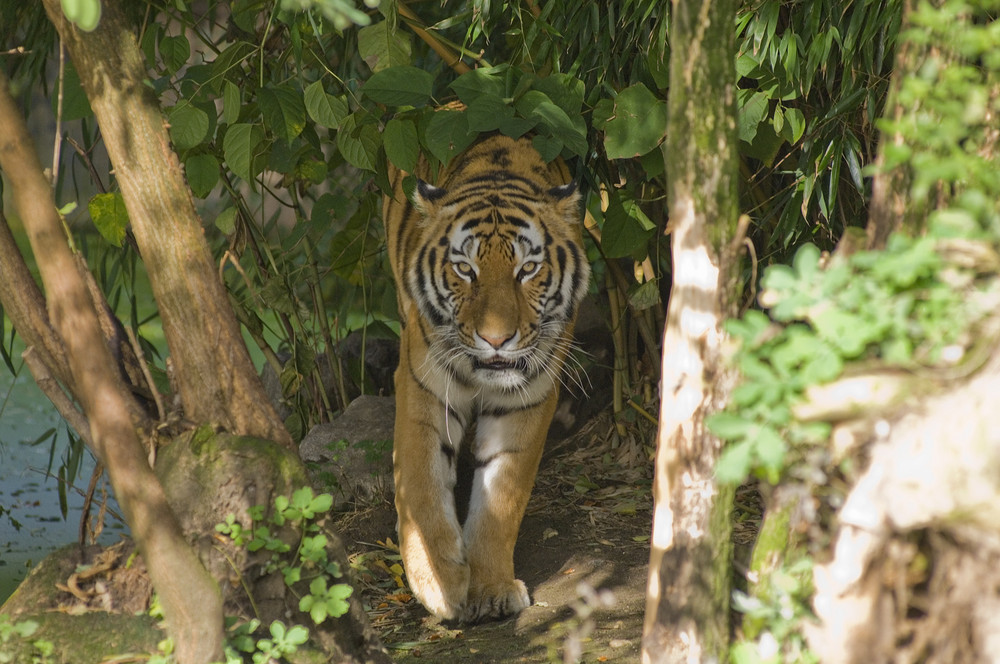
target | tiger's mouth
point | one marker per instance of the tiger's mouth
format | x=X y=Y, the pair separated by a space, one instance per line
x=497 y=363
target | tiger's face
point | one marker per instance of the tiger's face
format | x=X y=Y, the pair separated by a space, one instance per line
x=501 y=281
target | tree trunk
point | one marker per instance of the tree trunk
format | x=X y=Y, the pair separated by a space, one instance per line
x=212 y=370
x=892 y=208
x=191 y=600
x=688 y=592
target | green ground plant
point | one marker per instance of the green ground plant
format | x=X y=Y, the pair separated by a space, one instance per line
x=305 y=561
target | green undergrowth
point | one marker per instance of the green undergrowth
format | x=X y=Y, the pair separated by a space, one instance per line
x=300 y=559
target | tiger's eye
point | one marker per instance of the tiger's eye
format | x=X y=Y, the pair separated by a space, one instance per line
x=464 y=270
x=527 y=270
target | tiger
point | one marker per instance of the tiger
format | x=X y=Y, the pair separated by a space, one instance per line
x=490 y=269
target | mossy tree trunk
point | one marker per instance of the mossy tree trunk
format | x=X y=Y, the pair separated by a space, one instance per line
x=688 y=592
x=212 y=371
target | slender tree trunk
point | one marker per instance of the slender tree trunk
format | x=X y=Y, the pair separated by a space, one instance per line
x=213 y=373
x=24 y=304
x=688 y=592
x=892 y=208
x=191 y=600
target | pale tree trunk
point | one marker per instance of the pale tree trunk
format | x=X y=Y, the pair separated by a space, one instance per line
x=688 y=593
x=212 y=371
x=191 y=600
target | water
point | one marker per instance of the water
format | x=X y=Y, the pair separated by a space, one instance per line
x=27 y=494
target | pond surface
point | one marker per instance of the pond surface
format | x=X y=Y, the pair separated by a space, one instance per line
x=31 y=522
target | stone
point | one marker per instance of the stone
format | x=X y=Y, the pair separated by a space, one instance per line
x=352 y=455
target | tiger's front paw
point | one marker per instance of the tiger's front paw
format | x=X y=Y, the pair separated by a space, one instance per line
x=490 y=602
x=439 y=580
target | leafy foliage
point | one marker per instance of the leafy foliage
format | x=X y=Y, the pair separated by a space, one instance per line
x=14 y=634
x=286 y=117
x=811 y=85
x=308 y=562
x=892 y=307
x=916 y=310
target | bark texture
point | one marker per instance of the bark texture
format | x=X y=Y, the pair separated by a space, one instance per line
x=213 y=373
x=688 y=591
x=191 y=599
x=24 y=304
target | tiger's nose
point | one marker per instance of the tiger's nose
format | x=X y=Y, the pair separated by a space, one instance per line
x=496 y=339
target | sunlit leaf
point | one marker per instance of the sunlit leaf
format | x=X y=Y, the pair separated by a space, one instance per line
x=637 y=125
x=110 y=216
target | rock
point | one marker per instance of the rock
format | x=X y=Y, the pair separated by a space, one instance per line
x=353 y=454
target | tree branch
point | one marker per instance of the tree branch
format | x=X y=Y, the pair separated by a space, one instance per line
x=450 y=57
x=215 y=378
x=191 y=600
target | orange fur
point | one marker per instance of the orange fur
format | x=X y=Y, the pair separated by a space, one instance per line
x=489 y=266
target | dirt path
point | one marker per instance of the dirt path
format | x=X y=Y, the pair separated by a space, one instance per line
x=582 y=551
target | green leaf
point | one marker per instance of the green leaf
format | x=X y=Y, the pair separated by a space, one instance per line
x=75 y=104
x=751 y=114
x=548 y=147
x=175 y=52
x=728 y=426
x=382 y=47
x=283 y=111
x=401 y=144
x=769 y=447
x=483 y=82
x=795 y=125
x=336 y=604
x=302 y=497
x=188 y=125
x=646 y=295
x=536 y=105
x=637 y=124
x=517 y=127
x=202 y=172
x=243 y=150
x=604 y=111
x=448 y=134
x=401 y=85
x=806 y=261
x=359 y=144
x=488 y=113
x=324 y=109
x=227 y=65
x=564 y=90
x=110 y=216
x=734 y=463
x=231 y=102
x=297 y=635
x=226 y=221
x=625 y=230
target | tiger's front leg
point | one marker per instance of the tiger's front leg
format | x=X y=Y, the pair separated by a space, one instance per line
x=424 y=463
x=507 y=452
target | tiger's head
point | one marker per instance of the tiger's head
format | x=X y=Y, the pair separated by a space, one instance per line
x=499 y=277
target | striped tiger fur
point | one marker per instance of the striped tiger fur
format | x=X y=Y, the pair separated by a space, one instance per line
x=490 y=269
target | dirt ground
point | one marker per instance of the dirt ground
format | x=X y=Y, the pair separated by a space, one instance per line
x=582 y=551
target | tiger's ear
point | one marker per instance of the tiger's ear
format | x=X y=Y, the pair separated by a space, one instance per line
x=563 y=190
x=566 y=198
x=425 y=196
